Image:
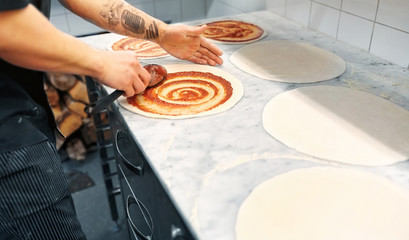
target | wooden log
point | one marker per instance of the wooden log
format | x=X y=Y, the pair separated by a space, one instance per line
x=68 y=97
x=75 y=106
x=79 y=92
x=52 y=95
x=57 y=111
x=63 y=82
x=70 y=123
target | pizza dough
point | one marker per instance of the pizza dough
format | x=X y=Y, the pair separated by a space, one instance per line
x=234 y=32
x=190 y=90
x=324 y=203
x=287 y=61
x=339 y=124
x=144 y=49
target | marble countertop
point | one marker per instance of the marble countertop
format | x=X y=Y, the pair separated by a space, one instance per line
x=210 y=164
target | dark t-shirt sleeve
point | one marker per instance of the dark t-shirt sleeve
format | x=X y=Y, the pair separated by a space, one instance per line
x=12 y=4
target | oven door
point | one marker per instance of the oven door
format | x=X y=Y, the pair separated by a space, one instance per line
x=151 y=212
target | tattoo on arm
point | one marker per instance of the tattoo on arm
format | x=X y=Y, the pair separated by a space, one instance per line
x=152 y=32
x=133 y=22
x=110 y=13
x=136 y=24
x=129 y=20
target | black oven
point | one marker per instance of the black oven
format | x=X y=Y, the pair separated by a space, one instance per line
x=150 y=211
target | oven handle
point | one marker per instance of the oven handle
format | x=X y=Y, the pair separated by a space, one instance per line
x=146 y=215
x=136 y=168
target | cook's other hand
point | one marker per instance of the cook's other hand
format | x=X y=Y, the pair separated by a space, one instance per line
x=185 y=42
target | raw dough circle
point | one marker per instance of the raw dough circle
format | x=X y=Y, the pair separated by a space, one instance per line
x=324 y=203
x=237 y=94
x=286 y=61
x=339 y=124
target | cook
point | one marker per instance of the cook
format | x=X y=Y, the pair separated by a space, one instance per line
x=35 y=202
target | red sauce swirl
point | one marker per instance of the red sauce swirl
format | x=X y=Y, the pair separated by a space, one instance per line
x=184 y=93
x=232 y=31
x=143 y=48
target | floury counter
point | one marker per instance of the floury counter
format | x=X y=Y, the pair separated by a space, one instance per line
x=210 y=164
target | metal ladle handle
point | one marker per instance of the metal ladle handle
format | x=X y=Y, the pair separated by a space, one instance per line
x=103 y=103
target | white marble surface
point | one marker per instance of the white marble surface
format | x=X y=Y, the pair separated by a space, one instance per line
x=210 y=164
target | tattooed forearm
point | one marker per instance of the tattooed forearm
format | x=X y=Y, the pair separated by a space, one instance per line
x=152 y=32
x=136 y=24
x=110 y=13
x=133 y=22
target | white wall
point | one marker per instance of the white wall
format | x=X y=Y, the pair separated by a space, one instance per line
x=378 y=26
x=166 y=10
x=218 y=8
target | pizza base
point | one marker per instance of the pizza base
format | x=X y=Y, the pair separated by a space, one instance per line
x=287 y=61
x=237 y=86
x=264 y=34
x=324 y=203
x=140 y=56
x=339 y=124
x=238 y=43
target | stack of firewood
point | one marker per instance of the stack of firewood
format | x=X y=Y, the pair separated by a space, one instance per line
x=67 y=95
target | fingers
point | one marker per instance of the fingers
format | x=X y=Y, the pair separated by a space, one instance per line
x=129 y=75
x=144 y=75
x=139 y=83
x=211 y=46
x=137 y=86
x=202 y=59
x=209 y=55
x=129 y=92
x=208 y=51
x=206 y=56
x=198 y=60
x=122 y=70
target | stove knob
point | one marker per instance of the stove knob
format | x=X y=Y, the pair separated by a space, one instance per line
x=176 y=233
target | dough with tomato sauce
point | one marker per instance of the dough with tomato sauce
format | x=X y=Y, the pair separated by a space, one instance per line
x=189 y=90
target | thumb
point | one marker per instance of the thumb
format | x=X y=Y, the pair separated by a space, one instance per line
x=197 y=31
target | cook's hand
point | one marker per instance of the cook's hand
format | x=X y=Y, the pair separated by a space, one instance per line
x=123 y=71
x=185 y=42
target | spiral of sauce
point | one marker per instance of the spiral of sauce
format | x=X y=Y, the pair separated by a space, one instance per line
x=232 y=31
x=141 y=47
x=184 y=93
